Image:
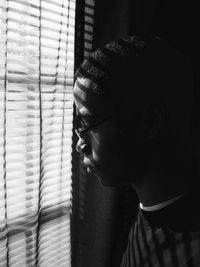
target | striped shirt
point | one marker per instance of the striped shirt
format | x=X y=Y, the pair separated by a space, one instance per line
x=169 y=237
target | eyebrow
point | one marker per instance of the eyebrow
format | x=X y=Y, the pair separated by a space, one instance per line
x=88 y=116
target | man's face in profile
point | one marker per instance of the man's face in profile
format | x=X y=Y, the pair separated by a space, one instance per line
x=103 y=146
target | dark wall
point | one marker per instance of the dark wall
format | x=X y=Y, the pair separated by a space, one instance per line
x=177 y=21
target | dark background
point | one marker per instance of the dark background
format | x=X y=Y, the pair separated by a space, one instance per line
x=102 y=217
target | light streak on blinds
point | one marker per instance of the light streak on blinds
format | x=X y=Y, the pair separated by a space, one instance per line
x=36 y=113
x=88 y=26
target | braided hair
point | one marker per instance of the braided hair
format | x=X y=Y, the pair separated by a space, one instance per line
x=102 y=64
x=139 y=71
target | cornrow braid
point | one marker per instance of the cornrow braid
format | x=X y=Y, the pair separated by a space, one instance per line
x=98 y=67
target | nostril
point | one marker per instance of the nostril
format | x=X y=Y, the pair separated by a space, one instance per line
x=85 y=149
x=82 y=147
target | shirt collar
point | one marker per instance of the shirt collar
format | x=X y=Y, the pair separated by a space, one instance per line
x=160 y=205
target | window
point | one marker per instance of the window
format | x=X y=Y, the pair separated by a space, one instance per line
x=36 y=113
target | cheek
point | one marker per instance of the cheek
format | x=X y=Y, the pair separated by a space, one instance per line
x=97 y=146
x=104 y=148
x=105 y=143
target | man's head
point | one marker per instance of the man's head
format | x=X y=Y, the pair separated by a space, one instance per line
x=138 y=94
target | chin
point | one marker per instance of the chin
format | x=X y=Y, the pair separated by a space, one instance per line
x=111 y=177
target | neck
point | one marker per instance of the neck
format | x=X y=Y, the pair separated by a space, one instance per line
x=155 y=188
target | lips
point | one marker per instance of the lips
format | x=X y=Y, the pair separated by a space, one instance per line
x=88 y=164
x=90 y=169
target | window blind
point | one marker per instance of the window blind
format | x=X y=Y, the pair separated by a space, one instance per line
x=36 y=112
x=88 y=26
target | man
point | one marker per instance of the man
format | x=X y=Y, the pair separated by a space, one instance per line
x=134 y=101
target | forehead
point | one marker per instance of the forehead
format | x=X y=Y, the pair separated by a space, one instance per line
x=89 y=102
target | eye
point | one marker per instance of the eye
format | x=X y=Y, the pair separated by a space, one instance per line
x=83 y=123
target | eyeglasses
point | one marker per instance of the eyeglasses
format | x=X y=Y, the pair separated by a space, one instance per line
x=82 y=131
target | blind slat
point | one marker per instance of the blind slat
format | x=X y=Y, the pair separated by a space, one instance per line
x=36 y=114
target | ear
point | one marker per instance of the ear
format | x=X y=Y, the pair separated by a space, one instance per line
x=152 y=122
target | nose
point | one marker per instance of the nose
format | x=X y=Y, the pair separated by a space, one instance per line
x=82 y=147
